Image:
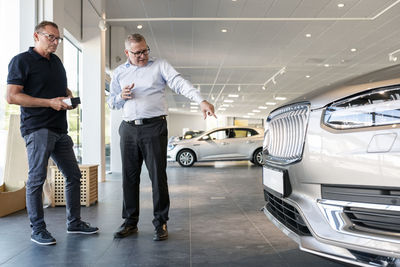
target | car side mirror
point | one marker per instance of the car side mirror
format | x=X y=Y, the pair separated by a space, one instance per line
x=206 y=138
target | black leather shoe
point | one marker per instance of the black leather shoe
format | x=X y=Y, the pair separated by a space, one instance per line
x=125 y=230
x=161 y=233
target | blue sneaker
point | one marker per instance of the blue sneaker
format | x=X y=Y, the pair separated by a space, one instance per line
x=82 y=228
x=43 y=237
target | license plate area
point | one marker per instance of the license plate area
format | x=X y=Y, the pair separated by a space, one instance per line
x=276 y=181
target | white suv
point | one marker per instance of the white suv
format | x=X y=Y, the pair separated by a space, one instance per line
x=332 y=169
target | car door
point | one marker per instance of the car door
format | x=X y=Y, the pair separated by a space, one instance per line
x=244 y=142
x=217 y=146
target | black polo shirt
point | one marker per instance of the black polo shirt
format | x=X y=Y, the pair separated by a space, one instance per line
x=42 y=78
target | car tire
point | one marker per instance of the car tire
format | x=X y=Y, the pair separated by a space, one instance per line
x=257 y=157
x=186 y=158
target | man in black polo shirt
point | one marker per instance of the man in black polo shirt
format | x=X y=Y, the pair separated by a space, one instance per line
x=37 y=82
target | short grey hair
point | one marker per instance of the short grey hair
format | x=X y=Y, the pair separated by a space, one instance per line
x=43 y=24
x=133 y=38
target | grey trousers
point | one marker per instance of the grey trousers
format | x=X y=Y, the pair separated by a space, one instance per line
x=41 y=145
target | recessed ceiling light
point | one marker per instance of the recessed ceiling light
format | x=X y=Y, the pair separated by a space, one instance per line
x=270 y=103
x=326 y=65
x=224 y=30
x=251 y=114
x=340 y=5
x=262 y=107
x=233 y=95
x=308 y=76
x=228 y=101
x=280 y=98
x=139 y=26
x=353 y=49
x=308 y=35
x=256 y=110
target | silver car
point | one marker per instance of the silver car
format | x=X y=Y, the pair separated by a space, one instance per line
x=226 y=143
x=332 y=170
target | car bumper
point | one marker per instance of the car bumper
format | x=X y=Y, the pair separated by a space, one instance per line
x=328 y=235
x=171 y=155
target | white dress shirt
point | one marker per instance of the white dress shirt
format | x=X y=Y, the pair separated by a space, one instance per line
x=148 y=94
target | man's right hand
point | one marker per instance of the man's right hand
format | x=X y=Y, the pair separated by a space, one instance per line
x=58 y=104
x=126 y=92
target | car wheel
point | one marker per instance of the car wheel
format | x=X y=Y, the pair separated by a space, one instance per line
x=186 y=158
x=258 y=157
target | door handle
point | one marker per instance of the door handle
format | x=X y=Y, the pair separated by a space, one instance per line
x=249 y=142
x=224 y=143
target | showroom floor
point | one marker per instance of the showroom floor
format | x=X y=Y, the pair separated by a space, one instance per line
x=215 y=220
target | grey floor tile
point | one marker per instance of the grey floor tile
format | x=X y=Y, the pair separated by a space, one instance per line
x=215 y=220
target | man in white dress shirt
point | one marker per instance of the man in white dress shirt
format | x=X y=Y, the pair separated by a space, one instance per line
x=138 y=87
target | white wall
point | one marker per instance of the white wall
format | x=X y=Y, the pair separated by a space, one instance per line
x=115 y=154
x=177 y=122
x=118 y=57
x=93 y=147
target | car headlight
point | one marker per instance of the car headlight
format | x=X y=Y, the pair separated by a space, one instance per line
x=171 y=146
x=377 y=107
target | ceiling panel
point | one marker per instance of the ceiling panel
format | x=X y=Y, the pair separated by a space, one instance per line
x=250 y=53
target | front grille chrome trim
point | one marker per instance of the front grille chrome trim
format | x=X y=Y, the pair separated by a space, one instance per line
x=334 y=213
x=285 y=134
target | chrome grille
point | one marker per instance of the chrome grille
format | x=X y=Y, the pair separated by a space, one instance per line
x=285 y=134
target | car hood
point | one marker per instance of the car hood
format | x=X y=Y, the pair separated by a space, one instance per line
x=185 y=141
x=344 y=88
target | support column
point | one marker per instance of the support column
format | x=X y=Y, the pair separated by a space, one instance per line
x=93 y=99
x=117 y=57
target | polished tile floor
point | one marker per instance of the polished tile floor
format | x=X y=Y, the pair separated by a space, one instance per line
x=215 y=220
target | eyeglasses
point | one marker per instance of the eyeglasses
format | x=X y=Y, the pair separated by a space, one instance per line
x=51 y=37
x=139 y=53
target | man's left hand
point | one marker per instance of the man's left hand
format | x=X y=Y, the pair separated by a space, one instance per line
x=70 y=95
x=207 y=109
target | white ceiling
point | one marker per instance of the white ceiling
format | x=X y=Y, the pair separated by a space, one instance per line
x=265 y=43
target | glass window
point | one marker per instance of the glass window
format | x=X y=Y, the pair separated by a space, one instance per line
x=9 y=15
x=73 y=67
x=219 y=135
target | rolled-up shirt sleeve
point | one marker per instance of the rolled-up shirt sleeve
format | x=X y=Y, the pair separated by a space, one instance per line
x=115 y=100
x=178 y=84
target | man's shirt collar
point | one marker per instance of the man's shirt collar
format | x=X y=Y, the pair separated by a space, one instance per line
x=128 y=63
x=36 y=55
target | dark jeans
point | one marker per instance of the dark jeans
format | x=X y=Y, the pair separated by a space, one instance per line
x=146 y=142
x=41 y=145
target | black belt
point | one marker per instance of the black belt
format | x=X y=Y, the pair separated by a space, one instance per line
x=145 y=121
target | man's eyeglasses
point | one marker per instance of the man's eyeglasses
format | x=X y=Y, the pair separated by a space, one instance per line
x=139 y=53
x=51 y=37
